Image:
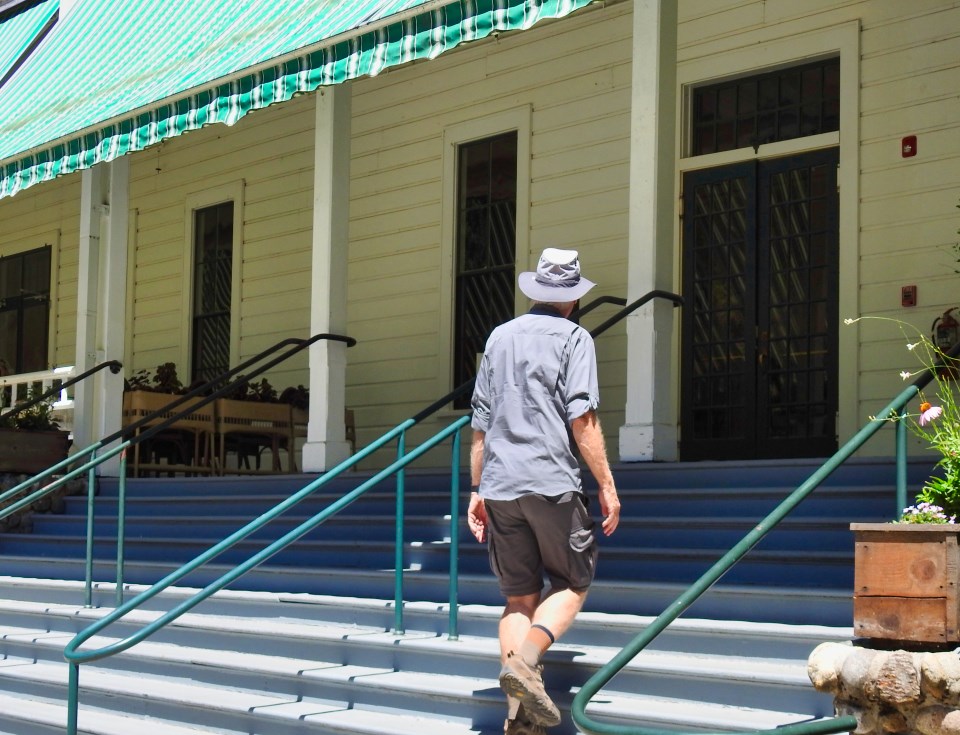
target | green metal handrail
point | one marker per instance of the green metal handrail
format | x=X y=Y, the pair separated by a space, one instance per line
x=114 y=367
x=894 y=410
x=947 y=360
x=76 y=657
x=91 y=461
x=134 y=438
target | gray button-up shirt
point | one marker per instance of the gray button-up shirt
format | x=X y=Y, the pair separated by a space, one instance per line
x=538 y=374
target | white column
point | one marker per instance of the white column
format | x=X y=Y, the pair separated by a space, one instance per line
x=112 y=317
x=650 y=431
x=326 y=444
x=102 y=283
x=93 y=208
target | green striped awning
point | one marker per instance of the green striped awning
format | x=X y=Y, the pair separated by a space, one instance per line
x=116 y=77
x=19 y=32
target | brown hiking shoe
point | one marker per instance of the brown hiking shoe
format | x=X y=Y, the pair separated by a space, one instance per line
x=524 y=682
x=521 y=725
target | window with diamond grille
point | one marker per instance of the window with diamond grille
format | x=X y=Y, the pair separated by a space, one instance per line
x=212 y=290
x=24 y=311
x=781 y=105
x=486 y=247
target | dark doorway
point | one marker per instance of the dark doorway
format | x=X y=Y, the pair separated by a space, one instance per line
x=760 y=276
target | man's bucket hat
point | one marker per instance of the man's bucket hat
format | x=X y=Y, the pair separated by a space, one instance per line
x=557 y=278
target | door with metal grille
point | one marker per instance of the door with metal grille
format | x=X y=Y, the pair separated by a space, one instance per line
x=760 y=264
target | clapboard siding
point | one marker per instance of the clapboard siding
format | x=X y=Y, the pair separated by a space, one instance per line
x=738 y=26
x=910 y=61
x=271 y=153
x=889 y=26
x=575 y=77
x=932 y=175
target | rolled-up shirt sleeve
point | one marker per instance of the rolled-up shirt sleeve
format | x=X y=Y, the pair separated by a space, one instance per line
x=480 y=402
x=580 y=385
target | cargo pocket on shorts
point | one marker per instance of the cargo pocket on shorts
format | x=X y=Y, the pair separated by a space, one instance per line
x=581 y=528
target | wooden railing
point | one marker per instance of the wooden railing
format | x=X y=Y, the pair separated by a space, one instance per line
x=16 y=388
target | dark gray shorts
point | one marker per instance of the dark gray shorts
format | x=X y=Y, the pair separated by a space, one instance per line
x=536 y=535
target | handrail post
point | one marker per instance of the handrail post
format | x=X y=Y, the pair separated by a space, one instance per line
x=901 y=440
x=453 y=633
x=73 y=655
x=73 y=695
x=121 y=526
x=398 y=540
x=91 y=488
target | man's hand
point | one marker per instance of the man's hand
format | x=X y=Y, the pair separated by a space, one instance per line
x=477 y=512
x=610 y=507
x=589 y=438
x=477 y=518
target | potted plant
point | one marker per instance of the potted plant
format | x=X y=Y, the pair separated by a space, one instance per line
x=907 y=573
x=31 y=440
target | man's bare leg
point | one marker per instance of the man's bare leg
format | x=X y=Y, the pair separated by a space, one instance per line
x=515 y=622
x=556 y=612
x=527 y=630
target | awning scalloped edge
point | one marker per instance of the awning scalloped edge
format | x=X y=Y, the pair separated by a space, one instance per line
x=423 y=36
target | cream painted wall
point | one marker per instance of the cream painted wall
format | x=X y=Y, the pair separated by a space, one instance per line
x=899 y=227
x=572 y=80
x=50 y=215
x=265 y=163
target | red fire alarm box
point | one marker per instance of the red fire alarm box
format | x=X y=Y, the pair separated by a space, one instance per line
x=908 y=146
x=908 y=296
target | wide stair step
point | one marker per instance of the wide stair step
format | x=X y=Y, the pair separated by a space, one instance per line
x=303 y=643
x=261 y=663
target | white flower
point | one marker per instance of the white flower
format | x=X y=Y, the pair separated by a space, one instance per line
x=904 y=375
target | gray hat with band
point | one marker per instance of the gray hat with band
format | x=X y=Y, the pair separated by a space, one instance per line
x=557 y=278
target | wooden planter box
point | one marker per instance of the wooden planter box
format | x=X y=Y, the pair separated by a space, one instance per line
x=185 y=446
x=31 y=452
x=905 y=582
x=245 y=428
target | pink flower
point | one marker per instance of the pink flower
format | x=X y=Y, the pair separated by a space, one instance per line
x=929 y=413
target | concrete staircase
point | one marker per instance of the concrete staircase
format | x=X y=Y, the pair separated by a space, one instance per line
x=304 y=643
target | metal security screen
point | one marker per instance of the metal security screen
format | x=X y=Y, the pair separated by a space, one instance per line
x=486 y=247
x=24 y=311
x=759 y=370
x=212 y=290
x=720 y=274
x=766 y=108
x=799 y=303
